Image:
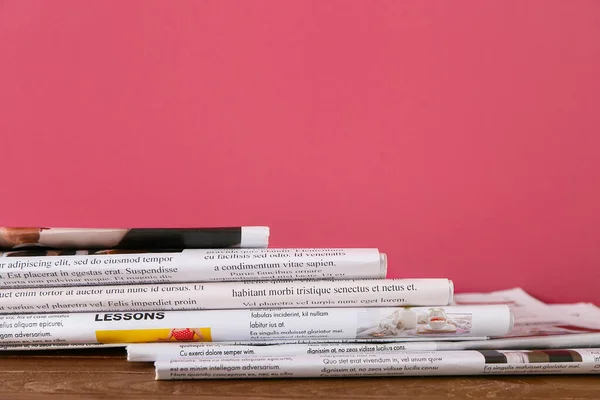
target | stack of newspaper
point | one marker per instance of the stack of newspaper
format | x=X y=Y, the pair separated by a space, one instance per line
x=214 y=303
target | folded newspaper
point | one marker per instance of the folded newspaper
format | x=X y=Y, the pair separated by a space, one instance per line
x=52 y=268
x=229 y=295
x=18 y=238
x=536 y=325
x=264 y=325
x=398 y=363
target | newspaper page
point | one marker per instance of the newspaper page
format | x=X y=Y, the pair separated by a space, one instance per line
x=150 y=352
x=418 y=323
x=522 y=304
x=415 y=344
x=401 y=363
x=530 y=311
x=525 y=307
x=537 y=325
x=229 y=295
x=133 y=238
x=52 y=268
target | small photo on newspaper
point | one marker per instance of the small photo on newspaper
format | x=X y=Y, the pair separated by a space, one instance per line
x=531 y=356
x=414 y=322
x=191 y=334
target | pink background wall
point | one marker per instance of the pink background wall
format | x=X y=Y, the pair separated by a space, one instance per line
x=462 y=138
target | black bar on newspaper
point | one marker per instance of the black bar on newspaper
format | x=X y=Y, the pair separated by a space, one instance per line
x=21 y=238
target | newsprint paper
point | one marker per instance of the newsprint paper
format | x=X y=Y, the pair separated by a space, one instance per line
x=400 y=363
x=48 y=268
x=229 y=295
x=265 y=325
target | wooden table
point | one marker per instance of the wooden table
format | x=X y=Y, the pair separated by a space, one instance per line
x=105 y=373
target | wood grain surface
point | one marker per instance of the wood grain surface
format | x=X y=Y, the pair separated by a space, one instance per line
x=105 y=373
